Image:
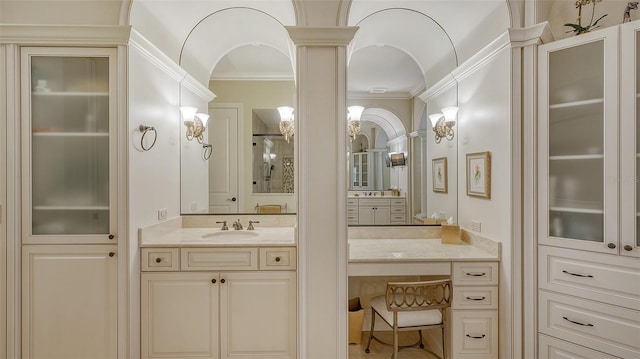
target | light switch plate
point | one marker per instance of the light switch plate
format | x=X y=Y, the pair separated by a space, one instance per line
x=162 y=213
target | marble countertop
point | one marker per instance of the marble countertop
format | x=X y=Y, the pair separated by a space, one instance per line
x=414 y=249
x=174 y=235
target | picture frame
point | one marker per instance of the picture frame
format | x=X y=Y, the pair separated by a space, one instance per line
x=479 y=174
x=439 y=174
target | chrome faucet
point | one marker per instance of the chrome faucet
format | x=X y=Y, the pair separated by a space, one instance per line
x=224 y=226
x=237 y=225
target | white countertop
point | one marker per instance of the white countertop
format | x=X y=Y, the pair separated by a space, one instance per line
x=413 y=250
x=214 y=237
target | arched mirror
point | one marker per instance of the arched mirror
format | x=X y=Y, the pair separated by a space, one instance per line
x=390 y=75
x=250 y=70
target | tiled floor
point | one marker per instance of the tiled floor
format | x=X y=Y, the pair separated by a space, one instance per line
x=379 y=351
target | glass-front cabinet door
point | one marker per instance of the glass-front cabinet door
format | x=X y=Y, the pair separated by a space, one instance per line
x=360 y=171
x=630 y=138
x=578 y=162
x=68 y=135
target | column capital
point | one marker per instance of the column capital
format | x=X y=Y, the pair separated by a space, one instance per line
x=321 y=36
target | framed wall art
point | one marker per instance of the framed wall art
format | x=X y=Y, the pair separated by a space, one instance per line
x=479 y=174
x=439 y=173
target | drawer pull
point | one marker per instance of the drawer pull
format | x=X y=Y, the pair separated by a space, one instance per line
x=628 y=248
x=476 y=336
x=222 y=280
x=578 y=323
x=475 y=274
x=213 y=281
x=111 y=254
x=578 y=275
x=277 y=259
x=476 y=298
x=158 y=260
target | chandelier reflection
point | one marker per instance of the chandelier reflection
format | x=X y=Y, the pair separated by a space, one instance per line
x=287 y=126
x=353 y=121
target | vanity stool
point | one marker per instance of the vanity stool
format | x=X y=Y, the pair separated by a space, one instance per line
x=408 y=306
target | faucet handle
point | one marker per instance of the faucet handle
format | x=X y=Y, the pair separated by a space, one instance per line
x=250 y=227
x=224 y=226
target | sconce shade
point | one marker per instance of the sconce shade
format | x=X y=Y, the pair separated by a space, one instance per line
x=355 y=112
x=435 y=118
x=204 y=118
x=286 y=113
x=188 y=113
x=450 y=114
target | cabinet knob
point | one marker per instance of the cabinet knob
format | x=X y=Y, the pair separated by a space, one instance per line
x=158 y=260
x=628 y=248
x=111 y=254
x=277 y=259
x=222 y=280
x=111 y=236
x=611 y=245
x=213 y=281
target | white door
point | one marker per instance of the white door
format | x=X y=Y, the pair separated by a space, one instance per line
x=223 y=164
x=69 y=301
x=179 y=315
x=258 y=315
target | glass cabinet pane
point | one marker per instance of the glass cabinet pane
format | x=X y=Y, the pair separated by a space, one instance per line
x=70 y=145
x=576 y=142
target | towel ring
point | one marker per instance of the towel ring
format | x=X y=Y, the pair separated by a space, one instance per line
x=207 y=150
x=145 y=129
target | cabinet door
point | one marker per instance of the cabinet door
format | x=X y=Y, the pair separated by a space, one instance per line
x=68 y=136
x=578 y=158
x=179 y=315
x=366 y=215
x=258 y=315
x=383 y=215
x=630 y=138
x=69 y=302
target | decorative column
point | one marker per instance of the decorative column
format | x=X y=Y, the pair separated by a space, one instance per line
x=321 y=159
x=424 y=167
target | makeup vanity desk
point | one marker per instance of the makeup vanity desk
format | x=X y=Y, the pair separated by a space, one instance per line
x=472 y=265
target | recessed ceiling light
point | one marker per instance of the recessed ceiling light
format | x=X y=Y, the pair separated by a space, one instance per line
x=378 y=90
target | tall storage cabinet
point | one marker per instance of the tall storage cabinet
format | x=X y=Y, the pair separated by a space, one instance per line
x=588 y=246
x=69 y=203
x=360 y=163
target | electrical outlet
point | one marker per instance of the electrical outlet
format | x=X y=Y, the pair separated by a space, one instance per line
x=194 y=206
x=476 y=226
x=162 y=213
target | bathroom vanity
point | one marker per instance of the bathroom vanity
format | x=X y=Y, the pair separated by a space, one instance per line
x=212 y=293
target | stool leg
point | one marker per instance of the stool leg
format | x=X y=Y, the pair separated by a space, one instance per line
x=444 y=344
x=421 y=343
x=395 y=342
x=373 y=322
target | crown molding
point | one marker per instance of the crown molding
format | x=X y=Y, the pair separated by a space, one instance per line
x=361 y=95
x=482 y=57
x=154 y=55
x=321 y=36
x=92 y=35
x=397 y=140
x=533 y=35
x=447 y=82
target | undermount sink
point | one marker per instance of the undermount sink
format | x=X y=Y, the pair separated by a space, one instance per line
x=231 y=235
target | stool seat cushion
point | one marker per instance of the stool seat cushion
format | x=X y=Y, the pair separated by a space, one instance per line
x=406 y=318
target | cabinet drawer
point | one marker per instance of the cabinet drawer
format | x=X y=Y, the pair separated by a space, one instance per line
x=398 y=202
x=277 y=258
x=352 y=210
x=608 y=328
x=552 y=348
x=352 y=201
x=475 y=297
x=601 y=277
x=369 y=202
x=475 y=273
x=219 y=259
x=398 y=218
x=474 y=334
x=160 y=259
x=397 y=209
x=352 y=219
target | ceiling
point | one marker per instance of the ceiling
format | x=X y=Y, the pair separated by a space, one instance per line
x=400 y=49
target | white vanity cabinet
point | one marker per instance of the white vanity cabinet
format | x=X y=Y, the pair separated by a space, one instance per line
x=69 y=202
x=376 y=210
x=219 y=303
x=588 y=234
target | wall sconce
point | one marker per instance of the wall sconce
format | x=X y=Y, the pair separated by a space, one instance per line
x=286 y=122
x=353 y=121
x=443 y=123
x=196 y=123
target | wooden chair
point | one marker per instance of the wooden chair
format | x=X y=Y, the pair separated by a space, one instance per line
x=408 y=306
